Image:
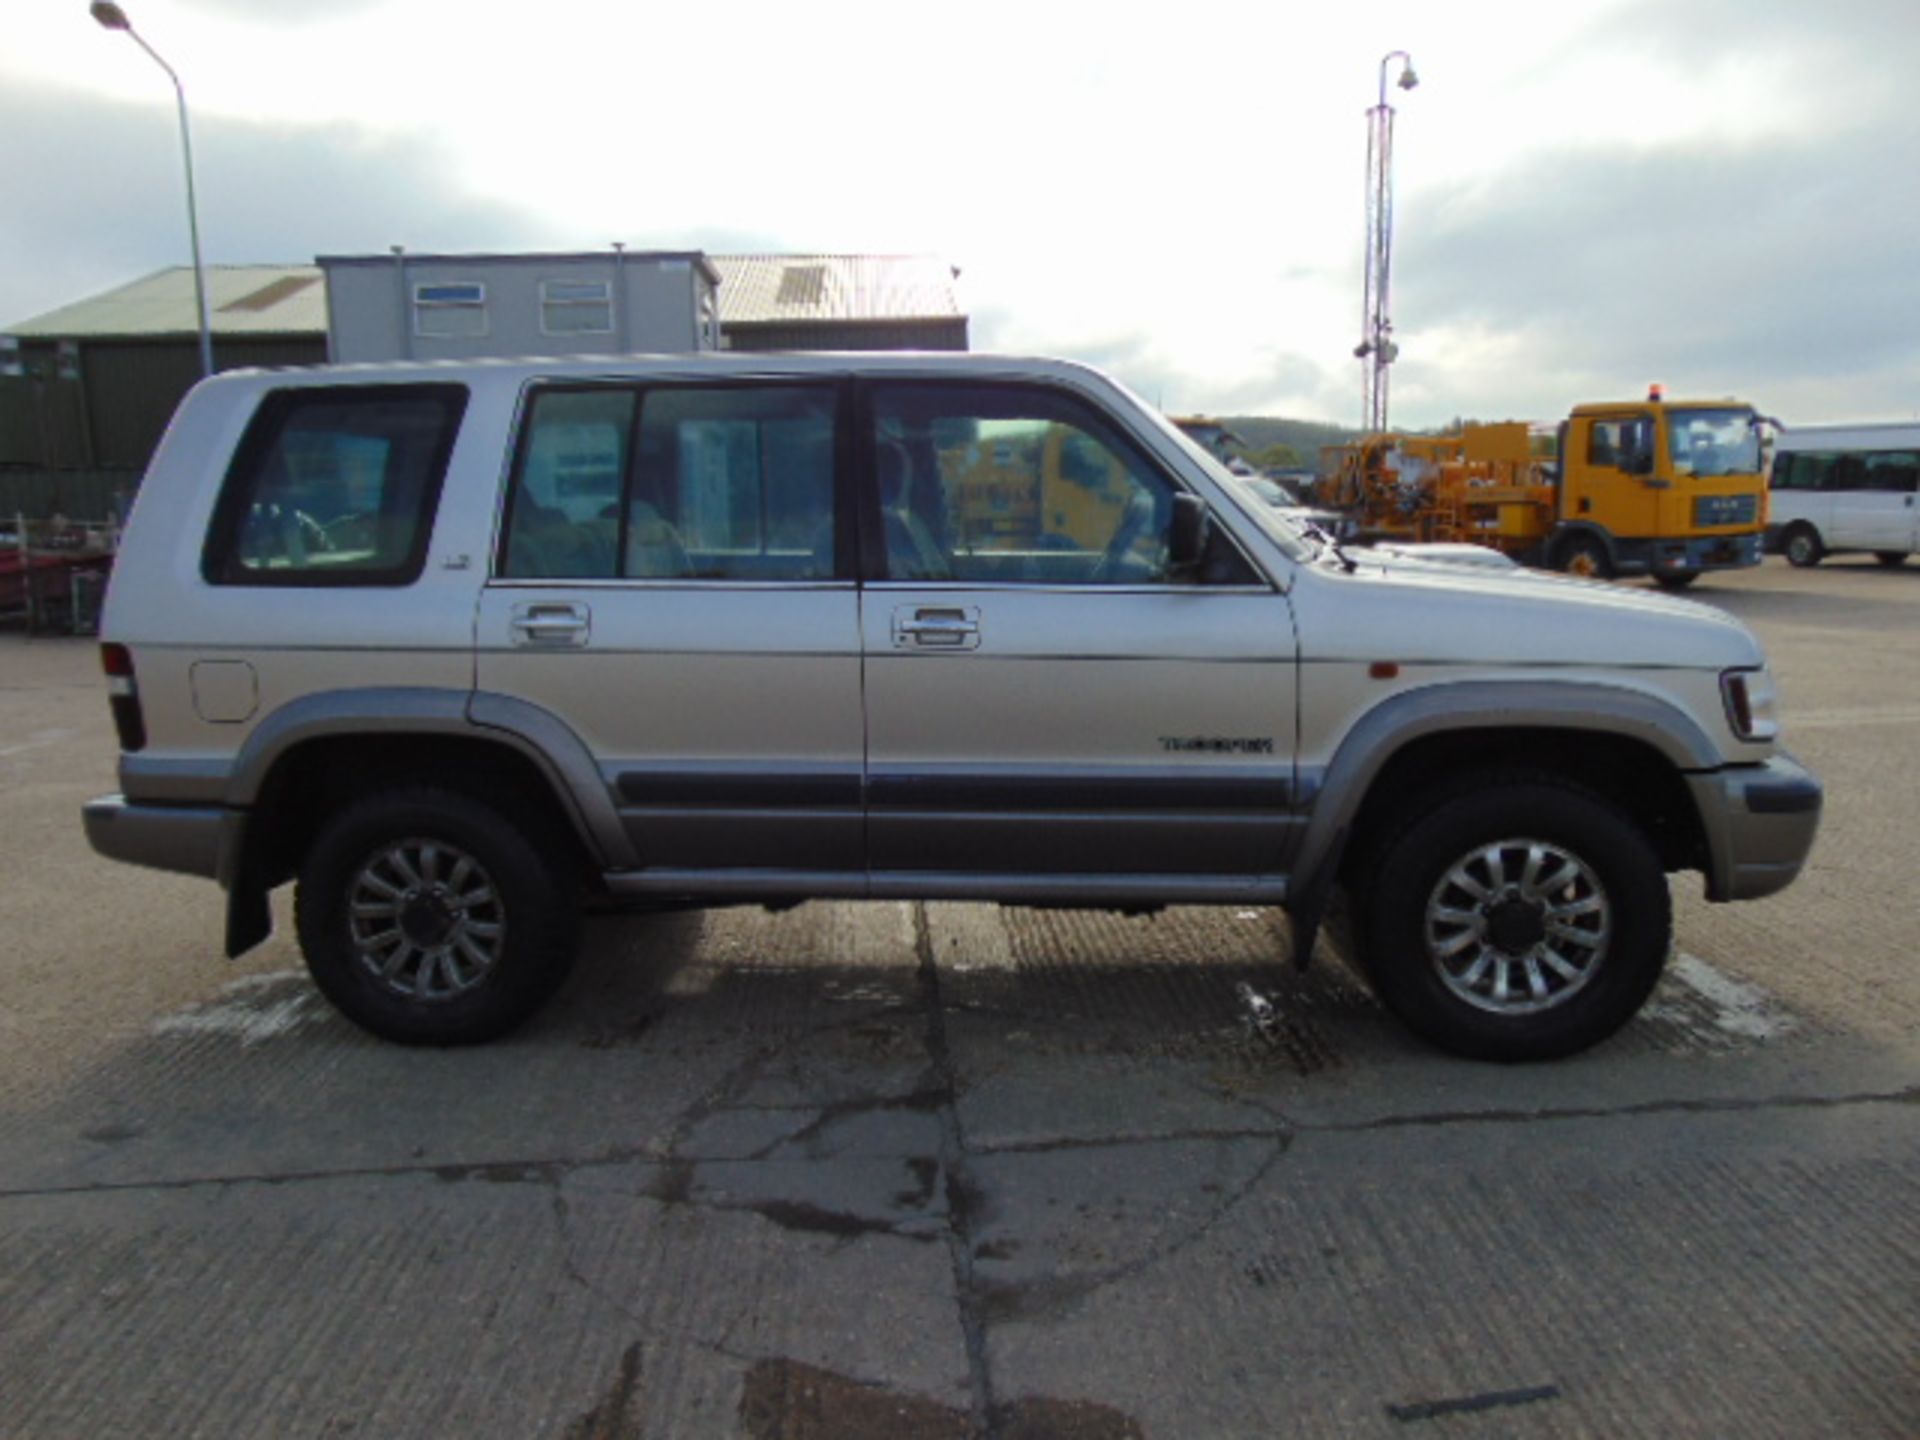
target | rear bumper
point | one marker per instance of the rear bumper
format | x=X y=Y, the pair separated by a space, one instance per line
x=187 y=839
x=1760 y=822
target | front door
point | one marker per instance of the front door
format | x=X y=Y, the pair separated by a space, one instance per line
x=1608 y=487
x=1044 y=699
x=668 y=587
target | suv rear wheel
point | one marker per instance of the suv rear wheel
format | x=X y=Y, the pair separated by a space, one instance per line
x=429 y=919
x=1522 y=919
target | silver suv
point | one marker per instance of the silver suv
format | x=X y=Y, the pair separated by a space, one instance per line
x=457 y=648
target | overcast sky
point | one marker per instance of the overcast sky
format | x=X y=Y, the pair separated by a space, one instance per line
x=1591 y=194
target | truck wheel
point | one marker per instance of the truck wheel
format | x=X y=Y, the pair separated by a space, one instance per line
x=1585 y=556
x=1802 y=547
x=429 y=919
x=1521 y=919
x=1675 y=579
x=1890 y=558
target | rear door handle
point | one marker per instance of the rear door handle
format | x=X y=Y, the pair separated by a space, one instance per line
x=936 y=627
x=551 y=624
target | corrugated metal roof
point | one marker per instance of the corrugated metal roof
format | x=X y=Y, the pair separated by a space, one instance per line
x=771 y=289
x=241 y=300
x=292 y=299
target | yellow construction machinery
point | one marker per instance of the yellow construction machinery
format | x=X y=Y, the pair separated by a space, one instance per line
x=1667 y=488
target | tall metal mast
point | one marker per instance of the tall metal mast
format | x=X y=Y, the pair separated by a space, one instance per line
x=1376 y=350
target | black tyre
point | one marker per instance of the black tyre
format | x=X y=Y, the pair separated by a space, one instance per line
x=1585 y=556
x=1801 y=545
x=1520 y=919
x=1675 y=579
x=1890 y=558
x=428 y=918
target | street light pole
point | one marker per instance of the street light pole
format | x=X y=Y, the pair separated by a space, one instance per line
x=112 y=17
x=1376 y=350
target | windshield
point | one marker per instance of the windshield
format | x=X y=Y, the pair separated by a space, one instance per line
x=1713 y=442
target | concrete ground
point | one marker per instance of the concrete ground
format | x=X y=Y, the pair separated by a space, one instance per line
x=948 y=1170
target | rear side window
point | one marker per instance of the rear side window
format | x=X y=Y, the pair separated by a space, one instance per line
x=724 y=482
x=335 y=486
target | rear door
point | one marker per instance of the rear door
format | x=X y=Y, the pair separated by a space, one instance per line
x=1044 y=699
x=669 y=585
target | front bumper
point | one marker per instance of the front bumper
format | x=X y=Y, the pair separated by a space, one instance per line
x=1760 y=822
x=1704 y=552
x=188 y=839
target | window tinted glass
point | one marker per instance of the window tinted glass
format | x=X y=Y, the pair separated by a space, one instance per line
x=1001 y=483
x=1616 y=443
x=335 y=486
x=734 y=484
x=1894 y=470
x=675 y=483
x=565 y=517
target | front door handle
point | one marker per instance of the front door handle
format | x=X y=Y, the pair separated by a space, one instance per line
x=551 y=624
x=936 y=627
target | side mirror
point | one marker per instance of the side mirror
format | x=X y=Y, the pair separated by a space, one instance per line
x=1639 y=462
x=1187 y=535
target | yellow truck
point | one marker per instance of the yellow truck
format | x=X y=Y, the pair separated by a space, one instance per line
x=1667 y=488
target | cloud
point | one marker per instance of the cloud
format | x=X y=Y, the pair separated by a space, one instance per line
x=104 y=198
x=1778 y=271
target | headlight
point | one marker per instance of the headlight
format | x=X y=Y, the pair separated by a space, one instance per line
x=1751 y=700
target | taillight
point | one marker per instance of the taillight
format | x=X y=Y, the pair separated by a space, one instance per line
x=123 y=696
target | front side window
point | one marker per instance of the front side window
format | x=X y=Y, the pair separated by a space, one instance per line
x=335 y=486
x=675 y=483
x=1713 y=442
x=1621 y=443
x=1012 y=484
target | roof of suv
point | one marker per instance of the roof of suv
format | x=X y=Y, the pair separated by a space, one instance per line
x=715 y=363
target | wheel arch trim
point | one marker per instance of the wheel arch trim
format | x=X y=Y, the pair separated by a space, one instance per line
x=556 y=751
x=1382 y=732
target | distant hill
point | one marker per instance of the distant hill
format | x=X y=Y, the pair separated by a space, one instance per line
x=1305 y=437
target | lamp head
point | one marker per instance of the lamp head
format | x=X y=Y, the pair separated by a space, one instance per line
x=110 y=15
x=1407 y=78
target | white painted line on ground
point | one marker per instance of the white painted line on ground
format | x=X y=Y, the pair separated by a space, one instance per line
x=1735 y=1007
x=254 y=1009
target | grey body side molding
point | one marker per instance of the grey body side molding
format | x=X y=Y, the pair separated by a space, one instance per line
x=1472 y=705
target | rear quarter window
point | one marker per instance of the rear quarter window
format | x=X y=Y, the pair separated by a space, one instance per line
x=335 y=485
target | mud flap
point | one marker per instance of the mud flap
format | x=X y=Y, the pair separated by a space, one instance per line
x=249 y=918
x=1306 y=910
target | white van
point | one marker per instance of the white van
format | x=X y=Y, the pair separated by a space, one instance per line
x=1845 y=487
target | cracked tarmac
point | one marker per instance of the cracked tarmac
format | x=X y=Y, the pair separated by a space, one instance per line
x=947 y=1170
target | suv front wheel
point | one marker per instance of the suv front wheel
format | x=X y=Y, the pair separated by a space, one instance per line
x=1523 y=919
x=429 y=919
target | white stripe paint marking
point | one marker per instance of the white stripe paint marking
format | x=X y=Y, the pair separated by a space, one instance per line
x=1734 y=1007
x=253 y=1010
x=39 y=740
